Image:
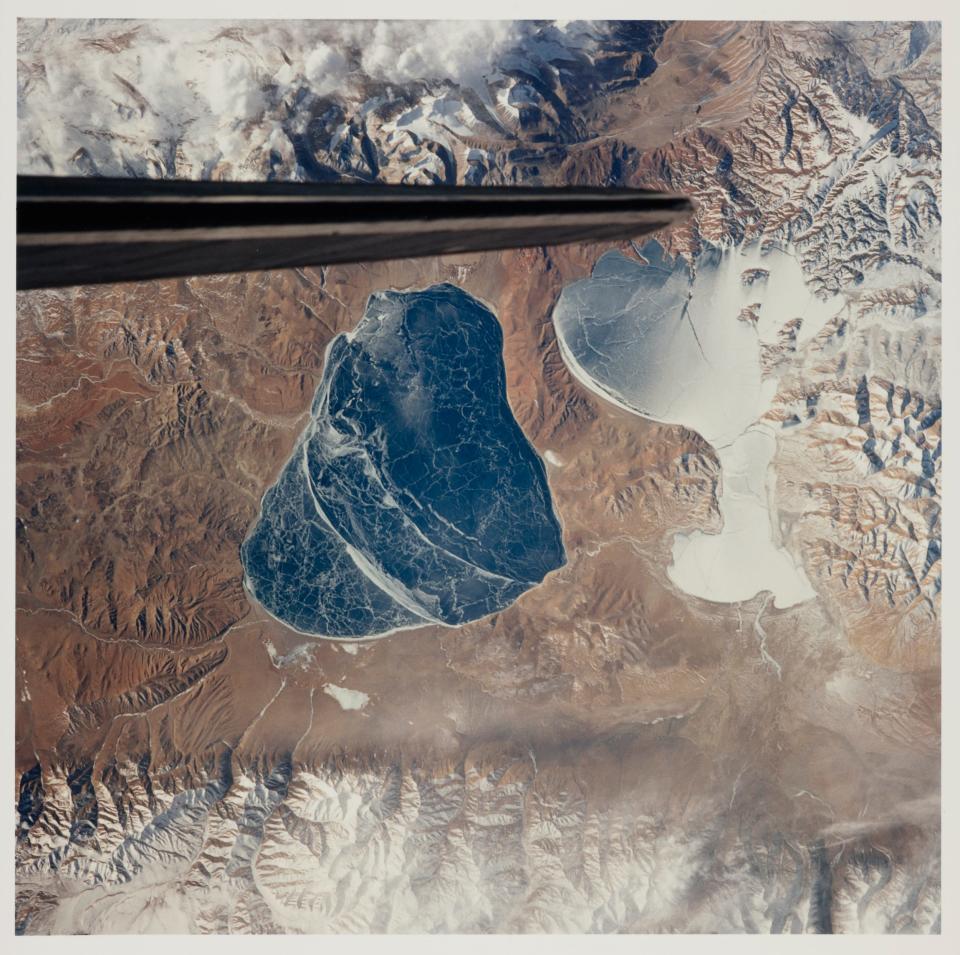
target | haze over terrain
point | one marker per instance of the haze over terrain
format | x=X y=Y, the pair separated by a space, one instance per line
x=712 y=701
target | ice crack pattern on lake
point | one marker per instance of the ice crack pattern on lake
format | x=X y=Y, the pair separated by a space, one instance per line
x=413 y=497
x=682 y=344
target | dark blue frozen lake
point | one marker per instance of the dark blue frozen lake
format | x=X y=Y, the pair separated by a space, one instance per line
x=413 y=497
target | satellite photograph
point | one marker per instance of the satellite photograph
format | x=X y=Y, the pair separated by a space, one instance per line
x=504 y=566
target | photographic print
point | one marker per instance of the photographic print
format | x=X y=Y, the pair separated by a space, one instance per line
x=478 y=477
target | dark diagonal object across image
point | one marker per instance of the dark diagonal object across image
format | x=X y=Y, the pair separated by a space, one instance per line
x=86 y=231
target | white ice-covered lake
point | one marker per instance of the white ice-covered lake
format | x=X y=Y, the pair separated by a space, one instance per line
x=683 y=346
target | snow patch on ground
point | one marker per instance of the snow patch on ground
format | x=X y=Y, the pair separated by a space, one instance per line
x=348 y=699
